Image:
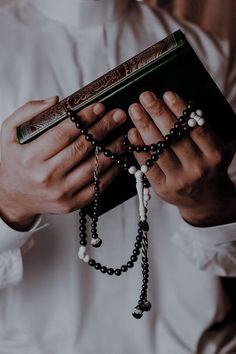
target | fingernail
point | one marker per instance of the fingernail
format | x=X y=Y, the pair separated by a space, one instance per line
x=147 y=98
x=98 y=108
x=51 y=99
x=170 y=96
x=119 y=116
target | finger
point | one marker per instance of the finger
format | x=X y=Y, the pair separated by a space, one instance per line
x=204 y=138
x=159 y=112
x=84 y=173
x=154 y=174
x=86 y=195
x=151 y=134
x=62 y=135
x=73 y=154
x=186 y=149
x=23 y=114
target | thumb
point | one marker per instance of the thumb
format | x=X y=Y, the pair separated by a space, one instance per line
x=23 y=114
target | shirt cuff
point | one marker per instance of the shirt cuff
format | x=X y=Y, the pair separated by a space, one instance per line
x=210 y=248
x=11 y=239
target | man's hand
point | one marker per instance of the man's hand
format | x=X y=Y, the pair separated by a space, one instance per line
x=53 y=174
x=192 y=173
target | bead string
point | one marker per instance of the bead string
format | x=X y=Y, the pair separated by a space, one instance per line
x=190 y=118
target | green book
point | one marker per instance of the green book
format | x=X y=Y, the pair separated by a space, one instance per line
x=170 y=64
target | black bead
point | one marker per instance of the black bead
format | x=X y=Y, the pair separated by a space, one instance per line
x=83 y=242
x=82 y=221
x=182 y=119
x=164 y=145
x=96 y=188
x=131 y=148
x=97 y=266
x=110 y=271
x=168 y=138
x=107 y=153
x=153 y=147
x=101 y=148
x=138 y=148
x=130 y=264
x=146 y=148
x=82 y=227
x=77 y=124
x=117 y=272
x=119 y=162
x=186 y=112
x=124 y=268
x=154 y=157
x=83 y=235
x=103 y=269
x=180 y=134
x=84 y=131
x=95 y=142
x=172 y=131
x=146 y=306
x=125 y=142
x=89 y=137
x=126 y=165
x=113 y=156
x=92 y=262
x=177 y=124
x=149 y=163
x=133 y=258
x=95 y=218
x=138 y=245
x=145 y=266
x=139 y=237
x=159 y=151
x=136 y=252
x=137 y=315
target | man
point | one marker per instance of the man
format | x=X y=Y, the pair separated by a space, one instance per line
x=60 y=305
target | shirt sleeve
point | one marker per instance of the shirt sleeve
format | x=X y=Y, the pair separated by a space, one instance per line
x=211 y=249
x=11 y=241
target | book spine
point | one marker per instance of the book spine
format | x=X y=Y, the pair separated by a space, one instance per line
x=42 y=122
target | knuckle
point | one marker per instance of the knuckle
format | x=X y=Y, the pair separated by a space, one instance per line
x=158 y=107
x=199 y=173
x=217 y=158
x=64 y=207
x=80 y=147
x=41 y=177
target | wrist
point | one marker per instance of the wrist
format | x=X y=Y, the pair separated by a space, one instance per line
x=216 y=209
x=17 y=222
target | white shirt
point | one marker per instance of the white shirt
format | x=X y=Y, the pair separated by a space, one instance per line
x=50 y=302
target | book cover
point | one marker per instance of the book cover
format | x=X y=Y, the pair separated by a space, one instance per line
x=170 y=64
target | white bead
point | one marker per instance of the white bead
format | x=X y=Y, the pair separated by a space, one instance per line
x=132 y=170
x=196 y=117
x=199 y=112
x=145 y=191
x=201 y=122
x=192 y=123
x=86 y=258
x=82 y=250
x=192 y=115
x=138 y=174
x=144 y=168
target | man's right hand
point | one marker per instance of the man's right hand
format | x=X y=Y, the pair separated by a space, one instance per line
x=51 y=175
